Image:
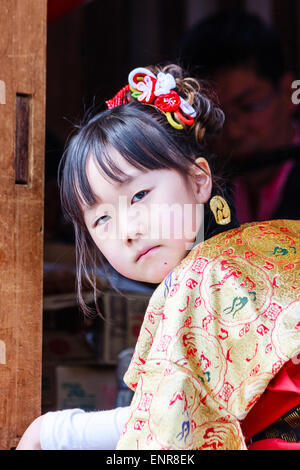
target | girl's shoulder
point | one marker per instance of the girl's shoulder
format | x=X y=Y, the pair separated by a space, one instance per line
x=231 y=308
x=252 y=264
x=273 y=243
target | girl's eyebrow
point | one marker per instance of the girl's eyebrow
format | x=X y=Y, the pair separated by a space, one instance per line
x=128 y=179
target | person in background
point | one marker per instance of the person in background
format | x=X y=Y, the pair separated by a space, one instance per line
x=242 y=55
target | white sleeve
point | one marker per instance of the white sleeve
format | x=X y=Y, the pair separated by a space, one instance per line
x=76 y=429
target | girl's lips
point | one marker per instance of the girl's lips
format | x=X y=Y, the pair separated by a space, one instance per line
x=145 y=252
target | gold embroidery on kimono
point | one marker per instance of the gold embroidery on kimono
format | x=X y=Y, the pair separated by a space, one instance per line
x=216 y=331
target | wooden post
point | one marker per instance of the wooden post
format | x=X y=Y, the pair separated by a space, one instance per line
x=22 y=115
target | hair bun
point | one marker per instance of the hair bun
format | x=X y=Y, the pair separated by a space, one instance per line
x=210 y=118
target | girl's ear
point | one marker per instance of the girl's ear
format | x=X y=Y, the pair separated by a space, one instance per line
x=201 y=180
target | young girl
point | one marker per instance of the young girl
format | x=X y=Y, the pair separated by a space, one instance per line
x=222 y=329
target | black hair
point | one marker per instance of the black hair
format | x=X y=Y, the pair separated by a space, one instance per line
x=230 y=39
x=145 y=139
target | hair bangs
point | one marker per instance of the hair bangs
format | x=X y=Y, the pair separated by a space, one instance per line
x=138 y=135
x=141 y=137
x=75 y=189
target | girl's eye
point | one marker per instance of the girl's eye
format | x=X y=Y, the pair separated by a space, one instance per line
x=138 y=196
x=101 y=220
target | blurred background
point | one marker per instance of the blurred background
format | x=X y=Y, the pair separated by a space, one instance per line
x=92 y=45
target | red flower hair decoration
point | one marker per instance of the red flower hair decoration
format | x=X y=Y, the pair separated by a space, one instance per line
x=159 y=91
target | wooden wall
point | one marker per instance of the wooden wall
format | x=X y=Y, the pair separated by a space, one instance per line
x=22 y=107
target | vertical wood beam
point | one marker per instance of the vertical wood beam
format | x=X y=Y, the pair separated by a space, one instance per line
x=22 y=115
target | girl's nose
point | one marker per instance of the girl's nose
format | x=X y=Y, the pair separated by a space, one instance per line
x=133 y=230
x=133 y=234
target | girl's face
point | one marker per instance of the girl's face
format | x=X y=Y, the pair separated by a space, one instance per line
x=146 y=225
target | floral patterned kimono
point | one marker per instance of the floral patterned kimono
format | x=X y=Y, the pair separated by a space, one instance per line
x=216 y=331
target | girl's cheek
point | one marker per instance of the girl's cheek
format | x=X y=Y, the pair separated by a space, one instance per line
x=102 y=243
x=169 y=224
x=181 y=223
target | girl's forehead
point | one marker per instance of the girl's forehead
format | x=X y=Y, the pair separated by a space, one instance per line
x=118 y=160
x=101 y=185
x=115 y=163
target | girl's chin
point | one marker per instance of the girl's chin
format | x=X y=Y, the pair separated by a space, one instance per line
x=150 y=279
x=156 y=277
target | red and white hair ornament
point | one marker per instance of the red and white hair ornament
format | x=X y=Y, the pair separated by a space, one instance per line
x=119 y=98
x=158 y=90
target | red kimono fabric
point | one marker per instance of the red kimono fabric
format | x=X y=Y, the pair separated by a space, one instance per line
x=282 y=394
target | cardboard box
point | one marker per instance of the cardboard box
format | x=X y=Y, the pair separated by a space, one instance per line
x=124 y=316
x=68 y=336
x=88 y=388
x=61 y=347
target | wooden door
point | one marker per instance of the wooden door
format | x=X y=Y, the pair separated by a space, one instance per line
x=22 y=115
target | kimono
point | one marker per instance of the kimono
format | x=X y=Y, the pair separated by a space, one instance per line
x=217 y=330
